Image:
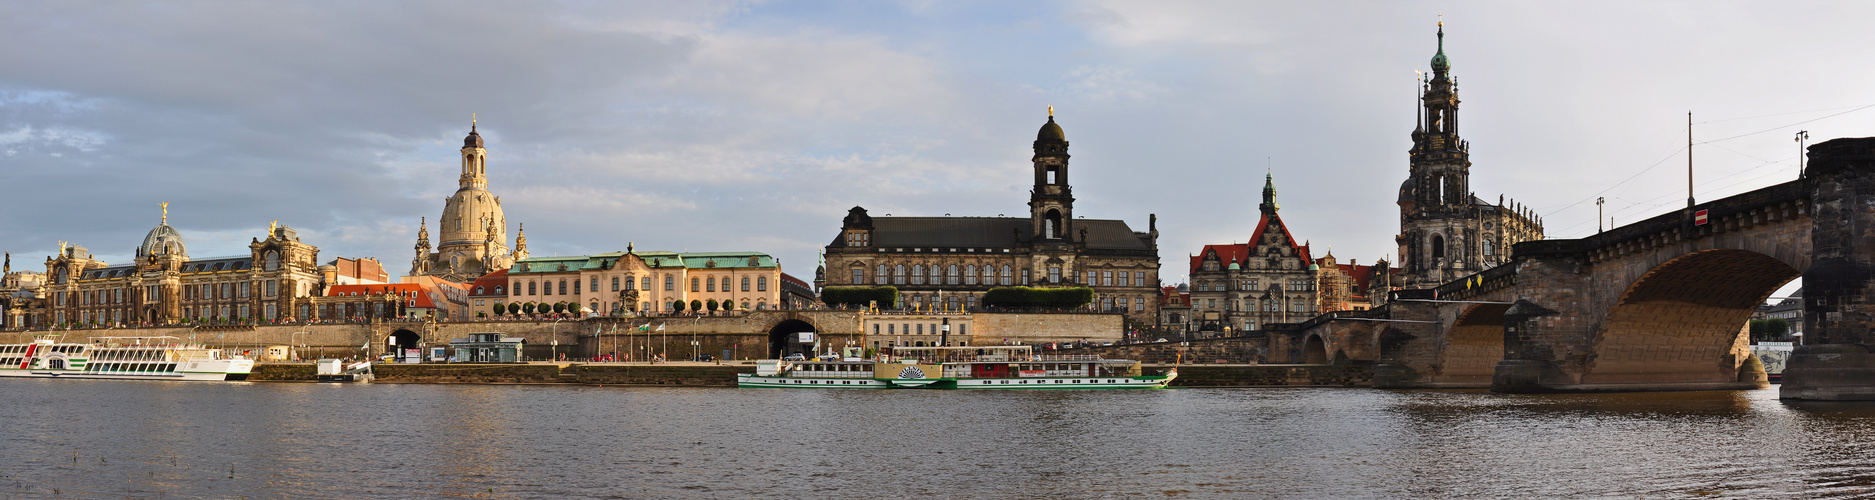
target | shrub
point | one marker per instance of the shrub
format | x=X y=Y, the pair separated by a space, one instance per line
x=860 y=296
x=528 y=308
x=711 y=305
x=1022 y=296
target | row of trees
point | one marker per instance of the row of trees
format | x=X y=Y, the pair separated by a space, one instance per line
x=540 y=307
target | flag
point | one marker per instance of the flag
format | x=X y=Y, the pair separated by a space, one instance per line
x=660 y=327
x=644 y=327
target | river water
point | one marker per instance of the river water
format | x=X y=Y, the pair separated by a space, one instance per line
x=114 y=439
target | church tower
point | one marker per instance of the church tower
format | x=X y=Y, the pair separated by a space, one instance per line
x=1446 y=231
x=473 y=231
x=1051 y=202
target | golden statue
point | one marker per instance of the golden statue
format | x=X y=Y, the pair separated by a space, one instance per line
x=272 y=226
x=1051 y=111
x=165 y=206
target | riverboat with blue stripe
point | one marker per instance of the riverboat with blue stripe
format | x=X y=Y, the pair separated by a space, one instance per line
x=121 y=358
x=967 y=367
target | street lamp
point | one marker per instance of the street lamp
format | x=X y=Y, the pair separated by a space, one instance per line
x=556 y=349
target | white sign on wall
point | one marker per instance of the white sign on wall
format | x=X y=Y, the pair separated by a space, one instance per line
x=807 y=337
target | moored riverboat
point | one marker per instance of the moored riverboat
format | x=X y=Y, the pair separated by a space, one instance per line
x=121 y=358
x=963 y=367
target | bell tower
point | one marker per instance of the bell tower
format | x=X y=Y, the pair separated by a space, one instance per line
x=1051 y=202
x=1440 y=160
x=474 y=160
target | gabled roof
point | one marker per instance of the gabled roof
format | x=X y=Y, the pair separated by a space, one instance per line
x=488 y=282
x=1237 y=252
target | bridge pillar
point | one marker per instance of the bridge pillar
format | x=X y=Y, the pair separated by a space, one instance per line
x=1835 y=362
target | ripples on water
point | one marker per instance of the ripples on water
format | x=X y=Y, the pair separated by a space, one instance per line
x=70 y=438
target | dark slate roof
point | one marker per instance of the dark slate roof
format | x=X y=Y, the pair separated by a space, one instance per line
x=991 y=232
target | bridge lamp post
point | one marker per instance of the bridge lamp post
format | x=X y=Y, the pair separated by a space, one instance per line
x=1802 y=135
x=1598 y=214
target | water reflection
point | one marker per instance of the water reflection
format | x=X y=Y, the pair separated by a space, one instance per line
x=107 y=438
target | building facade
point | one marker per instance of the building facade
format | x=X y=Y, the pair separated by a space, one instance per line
x=633 y=282
x=1242 y=286
x=947 y=263
x=1447 y=232
x=473 y=230
x=22 y=297
x=274 y=282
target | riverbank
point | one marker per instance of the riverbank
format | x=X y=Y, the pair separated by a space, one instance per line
x=724 y=375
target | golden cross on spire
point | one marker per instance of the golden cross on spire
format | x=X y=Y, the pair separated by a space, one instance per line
x=1051 y=111
x=471 y=119
x=1441 y=21
x=165 y=206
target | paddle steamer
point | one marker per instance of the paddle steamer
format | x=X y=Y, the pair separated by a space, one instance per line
x=966 y=367
x=124 y=358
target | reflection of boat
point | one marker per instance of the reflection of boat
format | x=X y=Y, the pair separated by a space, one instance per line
x=987 y=367
x=124 y=358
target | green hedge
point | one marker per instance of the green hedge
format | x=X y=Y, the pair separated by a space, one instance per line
x=860 y=296
x=1022 y=296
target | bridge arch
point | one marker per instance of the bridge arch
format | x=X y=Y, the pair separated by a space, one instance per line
x=1683 y=321
x=1314 y=350
x=1474 y=345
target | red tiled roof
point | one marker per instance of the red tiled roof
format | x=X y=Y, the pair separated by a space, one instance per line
x=1226 y=254
x=488 y=282
x=1168 y=294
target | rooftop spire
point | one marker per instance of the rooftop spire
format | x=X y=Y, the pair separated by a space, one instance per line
x=1269 y=205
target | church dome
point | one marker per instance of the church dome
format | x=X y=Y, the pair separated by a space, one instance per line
x=465 y=218
x=474 y=140
x=162 y=240
x=1050 y=131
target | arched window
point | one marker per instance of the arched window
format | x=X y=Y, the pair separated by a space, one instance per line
x=530 y=288
x=745 y=283
x=709 y=285
x=970 y=274
x=1438 y=247
x=761 y=284
x=562 y=287
x=917 y=274
x=478 y=290
x=273 y=261
x=630 y=281
x=936 y=274
x=898 y=274
x=950 y=273
x=498 y=290
x=1051 y=224
x=879 y=276
x=1007 y=277
x=1489 y=247
x=696 y=285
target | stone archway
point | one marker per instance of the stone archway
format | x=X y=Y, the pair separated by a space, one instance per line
x=1474 y=345
x=1683 y=322
x=401 y=342
x=785 y=338
x=1314 y=351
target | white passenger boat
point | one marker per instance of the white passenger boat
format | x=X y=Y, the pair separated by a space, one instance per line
x=124 y=358
x=966 y=367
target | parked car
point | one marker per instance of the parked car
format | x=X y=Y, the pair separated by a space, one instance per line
x=794 y=357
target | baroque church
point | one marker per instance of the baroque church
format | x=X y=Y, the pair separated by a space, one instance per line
x=1447 y=232
x=473 y=228
x=949 y=262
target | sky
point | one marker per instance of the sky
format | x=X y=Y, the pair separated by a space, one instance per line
x=753 y=126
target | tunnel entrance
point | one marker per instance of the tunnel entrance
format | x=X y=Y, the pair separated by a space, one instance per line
x=786 y=338
x=403 y=344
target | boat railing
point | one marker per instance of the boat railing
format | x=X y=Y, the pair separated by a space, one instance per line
x=1067 y=357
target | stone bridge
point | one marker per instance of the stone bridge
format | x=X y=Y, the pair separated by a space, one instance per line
x=1659 y=304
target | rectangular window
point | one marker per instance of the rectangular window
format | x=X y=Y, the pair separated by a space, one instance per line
x=614 y=283
x=1139 y=304
x=563 y=286
x=696 y=285
x=1025 y=277
x=1054 y=275
x=710 y=284
x=970 y=302
x=268 y=312
x=670 y=283
x=745 y=282
x=1106 y=278
x=859 y=276
x=761 y=284
x=921 y=328
x=593 y=286
x=1124 y=277
x=243 y=311
x=271 y=289
x=530 y=287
